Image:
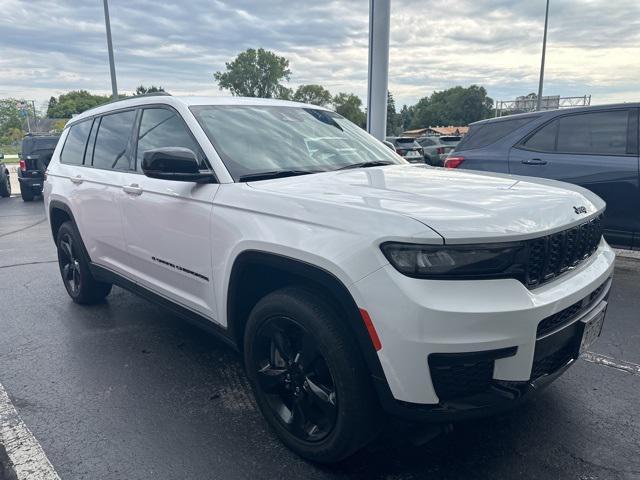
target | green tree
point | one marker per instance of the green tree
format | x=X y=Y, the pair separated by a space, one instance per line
x=393 y=118
x=454 y=106
x=58 y=125
x=350 y=106
x=9 y=116
x=142 y=90
x=74 y=102
x=313 y=94
x=406 y=117
x=255 y=73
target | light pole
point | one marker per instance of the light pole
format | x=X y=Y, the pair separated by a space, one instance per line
x=379 y=24
x=112 y=67
x=544 y=50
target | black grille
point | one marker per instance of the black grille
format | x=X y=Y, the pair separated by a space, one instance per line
x=554 y=254
x=459 y=375
x=565 y=316
x=553 y=362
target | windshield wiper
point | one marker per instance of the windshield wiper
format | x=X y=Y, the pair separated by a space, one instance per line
x=275 y=174
x=374 y=163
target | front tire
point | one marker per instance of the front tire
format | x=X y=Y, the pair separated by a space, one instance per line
x=309 y=381
x=74 y=268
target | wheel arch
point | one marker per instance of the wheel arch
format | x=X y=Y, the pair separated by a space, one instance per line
x=59 y=212
x=255 y=273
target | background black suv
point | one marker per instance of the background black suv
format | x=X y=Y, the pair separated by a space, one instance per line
x=35 y=155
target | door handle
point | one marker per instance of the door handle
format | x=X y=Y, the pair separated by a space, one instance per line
x=534 y=161
x=77 y=179
x=133 y=189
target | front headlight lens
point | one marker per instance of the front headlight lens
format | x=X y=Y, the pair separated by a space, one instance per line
x=497 y=260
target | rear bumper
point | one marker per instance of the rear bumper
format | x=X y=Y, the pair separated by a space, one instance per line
x=32 y=180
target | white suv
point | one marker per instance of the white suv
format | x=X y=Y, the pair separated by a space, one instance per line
x=353 y=282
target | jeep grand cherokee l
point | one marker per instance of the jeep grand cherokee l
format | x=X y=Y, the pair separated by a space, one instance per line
x=352 y=282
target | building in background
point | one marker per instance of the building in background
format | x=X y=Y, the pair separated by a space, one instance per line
x=439 y=131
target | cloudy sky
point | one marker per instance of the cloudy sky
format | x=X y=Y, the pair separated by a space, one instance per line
x=48 y=47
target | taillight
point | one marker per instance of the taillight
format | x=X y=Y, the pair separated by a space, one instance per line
x=440 y=150
x=453 y=162
x=23 y=165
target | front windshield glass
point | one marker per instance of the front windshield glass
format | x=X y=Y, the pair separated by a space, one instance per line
x=259 y=139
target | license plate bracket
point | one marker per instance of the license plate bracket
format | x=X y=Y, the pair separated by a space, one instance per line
x=592 y=327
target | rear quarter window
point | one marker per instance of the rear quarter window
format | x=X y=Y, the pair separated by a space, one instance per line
x=73 y=150
x=487 y=133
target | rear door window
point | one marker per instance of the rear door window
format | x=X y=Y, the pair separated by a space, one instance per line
x=162 y=127
x=111 y=145
x=544 y=140
x=73 y=150
x=599 y=133
x=487 y=133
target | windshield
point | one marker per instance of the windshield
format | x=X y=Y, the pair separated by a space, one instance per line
x=256 y=139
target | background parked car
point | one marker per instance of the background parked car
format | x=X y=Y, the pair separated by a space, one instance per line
x=408 y=148
x=5 y=182
x=35 y=155
x=595 y=147
x=435 y=150
x=451 y=140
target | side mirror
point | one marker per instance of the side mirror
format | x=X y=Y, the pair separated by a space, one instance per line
x=174 y=163
x=389 y=144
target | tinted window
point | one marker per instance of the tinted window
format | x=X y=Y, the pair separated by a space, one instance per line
x=161 y=127
x=544 y=140
x=599 y=133
x=110 y=150
x=486 y=133
x=73 y=151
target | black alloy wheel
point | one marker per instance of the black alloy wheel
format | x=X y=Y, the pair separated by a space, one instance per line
x=69 y=265
x=75 y=270
x=295 y=378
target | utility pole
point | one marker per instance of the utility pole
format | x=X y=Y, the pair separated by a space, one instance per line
x=544 y=51
x=379 y=25
x=112 y=67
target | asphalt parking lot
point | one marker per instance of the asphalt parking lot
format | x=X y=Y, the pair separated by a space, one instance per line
x=127 y=390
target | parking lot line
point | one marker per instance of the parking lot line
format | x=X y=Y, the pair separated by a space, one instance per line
x=28 y=459
x=607 y=361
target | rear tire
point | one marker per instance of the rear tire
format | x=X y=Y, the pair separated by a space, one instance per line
x=5 y=187
x=74 y=268
x=309 y=380
x=27 y=194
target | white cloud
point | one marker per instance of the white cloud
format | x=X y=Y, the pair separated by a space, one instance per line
x=49 y=47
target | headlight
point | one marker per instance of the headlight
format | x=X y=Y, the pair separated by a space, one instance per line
x=498 y=260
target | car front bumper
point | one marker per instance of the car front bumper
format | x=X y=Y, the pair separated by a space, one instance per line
x=478 y=344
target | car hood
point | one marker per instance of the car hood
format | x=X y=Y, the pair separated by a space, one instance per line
x=461 y=205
